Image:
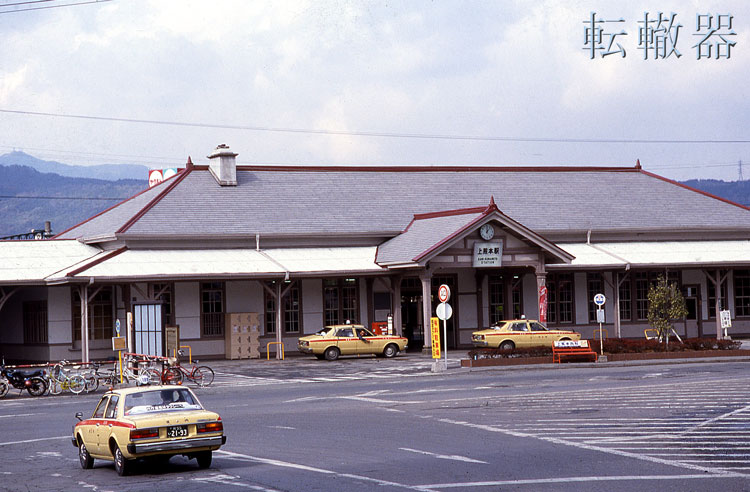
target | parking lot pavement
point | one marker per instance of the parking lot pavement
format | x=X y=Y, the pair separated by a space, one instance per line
x=305 y=369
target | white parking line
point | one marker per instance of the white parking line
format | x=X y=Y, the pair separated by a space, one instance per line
x=453 y=457
x=9 y=443
x=498 y=483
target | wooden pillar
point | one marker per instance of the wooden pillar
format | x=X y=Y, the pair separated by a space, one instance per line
x=426 y=278
x=717 y=282
x=279 y=299
x=83 y=292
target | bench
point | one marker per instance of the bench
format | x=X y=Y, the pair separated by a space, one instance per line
x=572 y=348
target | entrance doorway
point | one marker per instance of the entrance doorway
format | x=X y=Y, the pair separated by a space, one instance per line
x=148 y=329
x=693 y=325
x=411 y=313
x=411 y=310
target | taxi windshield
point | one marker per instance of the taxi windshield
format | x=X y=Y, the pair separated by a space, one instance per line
x=163 y=400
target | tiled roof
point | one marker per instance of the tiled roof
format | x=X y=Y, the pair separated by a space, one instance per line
x=342 y=201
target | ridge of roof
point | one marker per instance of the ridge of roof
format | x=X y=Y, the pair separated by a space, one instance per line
x=56 y=236
x=177 y=179
x=690 y=188
x=408 y=169
x=97 y=261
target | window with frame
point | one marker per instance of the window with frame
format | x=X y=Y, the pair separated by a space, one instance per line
x=640 y=284
x=212 y=309
x=741 y=292
x=595 y=285
x=340 y=301
x=163 y=292
x=712 y=295
x=560 y=298
x=496 y=285
x=290 y=313
x=35 y=322
x=101 y=314
x=626 y=306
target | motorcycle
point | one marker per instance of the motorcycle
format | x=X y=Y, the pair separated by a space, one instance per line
x=33 y=380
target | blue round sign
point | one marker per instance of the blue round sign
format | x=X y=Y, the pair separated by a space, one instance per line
x=599 y=299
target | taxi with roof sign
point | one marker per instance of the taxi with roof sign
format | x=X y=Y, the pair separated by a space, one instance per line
x=144 y=422
x=520 y=333
x=333 y=341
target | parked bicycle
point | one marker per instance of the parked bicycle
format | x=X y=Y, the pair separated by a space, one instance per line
x=201 y=375
x=61 y=380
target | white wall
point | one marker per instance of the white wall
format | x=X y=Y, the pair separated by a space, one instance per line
x=59 y=315
x=187 y=309
x=312 y=305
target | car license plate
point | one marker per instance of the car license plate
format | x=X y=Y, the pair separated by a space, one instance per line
x=177 y=431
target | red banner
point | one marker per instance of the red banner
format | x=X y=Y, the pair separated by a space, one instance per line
x=543 y=303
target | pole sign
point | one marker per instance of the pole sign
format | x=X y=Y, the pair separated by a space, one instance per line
x=435 y=337
x=117 y=327
x=599 y=299
x=444 y=293
x=444 y=311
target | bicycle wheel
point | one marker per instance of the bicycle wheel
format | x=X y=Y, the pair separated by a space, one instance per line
x=4 y=387
x=202 y=376
x=152 y=376
x=76 y=384
x=55 y=387
x=173 y=376
x=92 y=382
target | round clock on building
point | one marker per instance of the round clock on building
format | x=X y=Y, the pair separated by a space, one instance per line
x=487 y=232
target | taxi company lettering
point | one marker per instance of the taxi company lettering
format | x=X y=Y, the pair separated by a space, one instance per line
x=487 y=254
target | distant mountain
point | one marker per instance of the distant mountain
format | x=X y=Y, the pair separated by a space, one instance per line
x=64 y=201
x=110 y=172
x=735 y=191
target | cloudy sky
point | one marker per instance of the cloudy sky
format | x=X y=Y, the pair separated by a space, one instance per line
x=506 y=83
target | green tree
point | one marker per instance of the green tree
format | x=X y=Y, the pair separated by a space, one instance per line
x=665 y=304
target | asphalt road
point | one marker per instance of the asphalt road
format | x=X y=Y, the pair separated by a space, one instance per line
x=330 y=427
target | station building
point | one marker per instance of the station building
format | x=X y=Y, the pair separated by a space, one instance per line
x=305 y=247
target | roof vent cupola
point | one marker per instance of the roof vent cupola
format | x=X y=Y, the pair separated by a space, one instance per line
x=223 y=165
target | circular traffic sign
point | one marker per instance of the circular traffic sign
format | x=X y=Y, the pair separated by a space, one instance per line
x=599 y=299
x=444 y=293
x=444 y=311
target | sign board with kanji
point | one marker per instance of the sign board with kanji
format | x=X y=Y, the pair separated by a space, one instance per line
x=726 y=318
x=487 y=254
x=435 y=337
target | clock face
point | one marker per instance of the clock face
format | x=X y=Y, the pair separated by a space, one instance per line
x=487 y=232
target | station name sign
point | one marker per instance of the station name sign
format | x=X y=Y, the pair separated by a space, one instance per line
x=487 y=254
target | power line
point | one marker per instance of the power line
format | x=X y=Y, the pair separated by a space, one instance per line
x=44 y=7
x=370 y=134
x=65 y=197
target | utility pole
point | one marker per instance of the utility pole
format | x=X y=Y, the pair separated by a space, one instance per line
x=740 y=166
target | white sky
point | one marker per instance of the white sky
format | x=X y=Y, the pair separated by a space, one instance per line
x=497 y=69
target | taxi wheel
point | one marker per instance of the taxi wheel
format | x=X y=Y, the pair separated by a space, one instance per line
x=87 y=462
x=390 y=351
x=507 y=345
x=122 y=466
x=204 y=459
x=332 y=353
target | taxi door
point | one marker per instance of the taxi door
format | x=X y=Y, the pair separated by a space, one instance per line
x=346 y=341
x=368 y=343
x=541 y=335
x=105 y=429
x=520 y=333
x=91 y=432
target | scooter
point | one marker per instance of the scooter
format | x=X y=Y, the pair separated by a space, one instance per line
x=32 y=380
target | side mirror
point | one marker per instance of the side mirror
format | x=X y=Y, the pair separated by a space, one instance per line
x=79 y=415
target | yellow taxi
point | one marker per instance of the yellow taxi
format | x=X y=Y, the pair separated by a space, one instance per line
x=333 y=341
x=142 y=422
x=520 y=333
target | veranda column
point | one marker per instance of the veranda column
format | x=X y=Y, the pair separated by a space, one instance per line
x=278 y=320
x=397 y=324
x=426 y=278
x=83 y=293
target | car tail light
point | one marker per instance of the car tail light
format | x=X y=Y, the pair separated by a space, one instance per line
x=210 y=427
x=144 y=433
